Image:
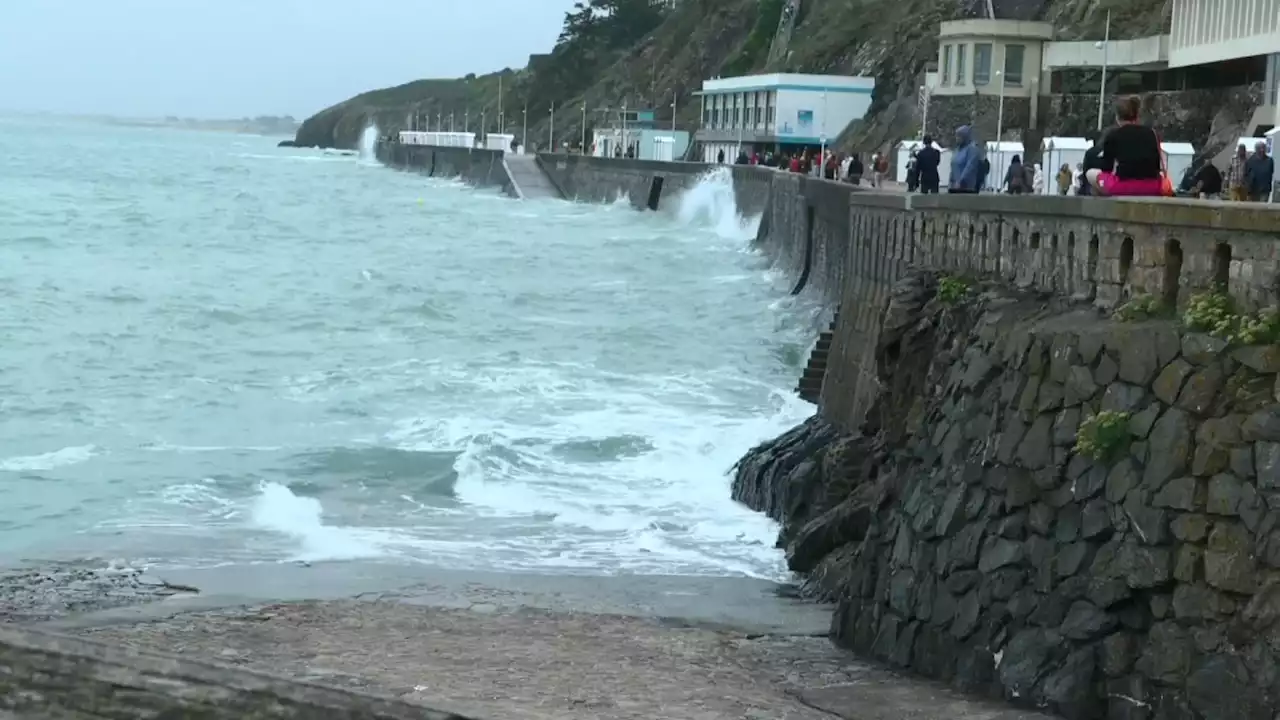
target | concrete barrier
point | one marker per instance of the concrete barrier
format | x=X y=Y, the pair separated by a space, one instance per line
x=474 y=166
x=593 y=179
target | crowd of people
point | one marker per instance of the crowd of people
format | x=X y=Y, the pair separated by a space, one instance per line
x=1125 y=160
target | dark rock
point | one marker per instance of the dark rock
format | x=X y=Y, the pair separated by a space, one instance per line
x=1185 y=493
x=1070 y=688
x=1085 y=621
x=1228 y=560
x=1140 y=423
x=949 y=519
x=1067 y=529
x=841 y=525
x=1122 y=397
x=1190 y=528
x=1013 y=526
x=1172 y=435
x=1220 y=689
x=1170 y=381
x=1026 y=659
x=1088 y=483
x=1121 y=479
x=1071 y=558
x=960 y=582
x=1202 y=349
x=1242 y=461
x=1040 y=518
x=1118 y=653
x=1261 y=358
x=1266 y=465
x=966 y=544
x=1224 y=496
x=999 y=552
x=1050 y=397
x=973 y=506
x=1065 y=426
x=1036 y=449
x=1150 y=525
x=1010 y=438
x=1095 y=520
x=1021 y=488
x=966 y=616
x=1002 y=584
x=1144 y=567
x=1196 y=602
x=902 y=592
x=1079 y=386
x=1106 y=372
x=1167 y=657
x=1202 y=388
x=1138 y=359
x=1187 y=564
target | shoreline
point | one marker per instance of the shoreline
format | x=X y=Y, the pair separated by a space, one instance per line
x=511 y=645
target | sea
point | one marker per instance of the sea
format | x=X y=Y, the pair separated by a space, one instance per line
x=214 y=352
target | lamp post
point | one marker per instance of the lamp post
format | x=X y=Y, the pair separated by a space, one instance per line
x=551 y=130
x=524 y=131
x=924 y=123
x=450 y=121
x=624 y=125
x=674 y=100
x=822 y=138
x=1000 y=128
x=1102 y=86
x=583 y=147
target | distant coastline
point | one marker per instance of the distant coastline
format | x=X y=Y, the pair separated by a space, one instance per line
x=262 y=125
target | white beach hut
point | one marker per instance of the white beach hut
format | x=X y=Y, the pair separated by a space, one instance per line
x=904 y=156
x=1000 y=154
x=1059 y=151
x=1178 y=157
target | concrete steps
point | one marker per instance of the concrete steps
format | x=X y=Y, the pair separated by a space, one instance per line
x=815 y=371
x=530 y=181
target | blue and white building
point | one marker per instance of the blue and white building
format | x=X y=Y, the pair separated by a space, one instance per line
x=779 y=111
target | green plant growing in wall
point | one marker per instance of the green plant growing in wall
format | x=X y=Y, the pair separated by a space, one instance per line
x=1215 y=313
x=952 y=290
x=1138 y=308
x=1104 y=435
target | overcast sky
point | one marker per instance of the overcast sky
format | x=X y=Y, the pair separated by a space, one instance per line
x=231 y=58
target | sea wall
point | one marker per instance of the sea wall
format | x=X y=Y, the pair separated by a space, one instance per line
x=474 y=166
x=594 y=179
x=1010 y=489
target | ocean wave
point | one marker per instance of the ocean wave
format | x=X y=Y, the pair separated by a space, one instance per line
x=49 y=461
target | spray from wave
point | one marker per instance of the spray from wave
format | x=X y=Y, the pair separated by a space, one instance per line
x=712 y=203
x=369 y=144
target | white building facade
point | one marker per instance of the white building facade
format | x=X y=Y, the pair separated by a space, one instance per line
x=1209 y=31
x=779 y=109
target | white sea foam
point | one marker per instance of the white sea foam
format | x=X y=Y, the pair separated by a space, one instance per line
x=302 y=518
x=711 y=203
x=50 y=460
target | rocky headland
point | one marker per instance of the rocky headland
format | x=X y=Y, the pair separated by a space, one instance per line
x=649 y=53
x=1061 y=509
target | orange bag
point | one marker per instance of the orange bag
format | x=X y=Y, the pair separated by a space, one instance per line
x=1166 y=183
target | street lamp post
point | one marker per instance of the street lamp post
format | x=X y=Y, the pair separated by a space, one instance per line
x=924 y=123
x=624 y=126
x=1000 y=127
x=1102 y=86
x=674 y=99
x=524 y=132
x=583 y=147
x=466 y=121
x=822 y=138
x=450 y=121
x=551 y=130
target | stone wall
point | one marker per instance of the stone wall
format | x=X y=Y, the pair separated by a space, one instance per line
x=593 y=179
x=939 y=497
x=474 y=166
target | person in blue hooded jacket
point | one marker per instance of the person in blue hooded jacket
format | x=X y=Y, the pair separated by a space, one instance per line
x=966 y=163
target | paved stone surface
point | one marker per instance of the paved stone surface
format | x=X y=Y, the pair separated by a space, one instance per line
x=534 y=664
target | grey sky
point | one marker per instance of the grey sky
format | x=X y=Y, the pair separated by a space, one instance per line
x=230 y=58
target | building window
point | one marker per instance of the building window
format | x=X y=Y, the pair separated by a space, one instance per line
x=1013 y=57
x=961 y=75
x=946 y=65
x=706 y=117
x=981 y=63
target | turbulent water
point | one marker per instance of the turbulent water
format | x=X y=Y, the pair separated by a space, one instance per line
x=216 y=351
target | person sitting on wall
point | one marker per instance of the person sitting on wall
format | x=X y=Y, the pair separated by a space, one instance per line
x=966 y=163
x=1134 y=148
x=927 y=161
x=1093 y=160
x=1207 y=183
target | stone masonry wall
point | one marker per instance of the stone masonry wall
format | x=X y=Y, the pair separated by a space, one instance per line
x=478 y=167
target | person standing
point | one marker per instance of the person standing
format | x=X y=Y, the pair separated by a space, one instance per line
x=966 y=163
x=1015 y=179
x=1208 y=182
x=1234 y=182
x=927 y=162
x=1259 y=174
x=1064 y=179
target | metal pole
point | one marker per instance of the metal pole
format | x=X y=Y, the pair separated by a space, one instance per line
x=1102 y=87
x=466 y=121
x=823 y=139
x=450 y=121
x=1000 y=131
x=583 y=148
x=674 y=99
x=624 y=126
x=524 y=133
x=551 y=130
x=502 y=117
x=924 y=126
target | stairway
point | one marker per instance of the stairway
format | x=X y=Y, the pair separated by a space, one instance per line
x=530 y=182
x=782 y=38
x=810 y=388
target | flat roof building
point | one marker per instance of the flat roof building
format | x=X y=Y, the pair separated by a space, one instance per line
x=778 y=109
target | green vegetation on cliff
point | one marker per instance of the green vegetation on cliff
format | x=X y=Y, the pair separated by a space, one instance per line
x=649 y=53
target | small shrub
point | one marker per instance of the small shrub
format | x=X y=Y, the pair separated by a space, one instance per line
x=952 y=289
x=1215 y=313
x=1139 y=307
x=1103 y=436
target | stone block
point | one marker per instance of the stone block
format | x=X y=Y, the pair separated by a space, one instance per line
x=1228 y=559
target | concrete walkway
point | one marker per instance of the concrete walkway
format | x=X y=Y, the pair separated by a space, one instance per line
x=531 y=183
x=535 y=647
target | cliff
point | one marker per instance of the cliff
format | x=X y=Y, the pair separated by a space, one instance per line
x=1065 y=510
x=647 y=62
